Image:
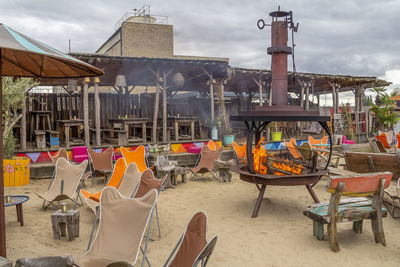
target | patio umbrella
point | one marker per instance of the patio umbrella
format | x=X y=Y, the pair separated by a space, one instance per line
x=22 y=56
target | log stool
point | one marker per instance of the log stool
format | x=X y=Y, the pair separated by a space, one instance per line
x=182 y=171
x=40 y=137
x=65 y=221
x=223 y=169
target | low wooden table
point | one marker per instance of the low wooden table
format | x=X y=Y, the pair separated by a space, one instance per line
x=131 y=123
x=65 y=221
x=223 y=170
x=17 y=201
x=66 y=125
x=182 y=171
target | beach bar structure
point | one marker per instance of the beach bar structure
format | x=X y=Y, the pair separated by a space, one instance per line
x=146 y=83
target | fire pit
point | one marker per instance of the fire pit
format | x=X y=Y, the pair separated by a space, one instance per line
x=257 y=120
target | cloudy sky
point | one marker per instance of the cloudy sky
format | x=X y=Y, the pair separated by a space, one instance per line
x=356 y=37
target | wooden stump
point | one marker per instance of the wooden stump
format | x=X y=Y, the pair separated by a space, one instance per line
x=61 y=222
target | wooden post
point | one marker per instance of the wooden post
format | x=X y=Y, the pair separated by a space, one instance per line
x=23 y=128
x=260 y=89
x=337 y=97
x=334 y=100
x=307 y=106
x=164 y=95
x=2 y=212
x=302 y=84
x=156 y=103
x=86 y=111
x=318 y=101
x=97 y=110
x=211 y=81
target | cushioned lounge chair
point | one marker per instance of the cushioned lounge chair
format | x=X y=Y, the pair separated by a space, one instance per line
x=66 y=182
x=123 y=223
x=192 y=248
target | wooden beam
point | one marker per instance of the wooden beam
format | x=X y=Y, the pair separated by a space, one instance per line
x=86 y=113
x=164 y=95
x=155 y=110
x=23 y=128
x=97 y=113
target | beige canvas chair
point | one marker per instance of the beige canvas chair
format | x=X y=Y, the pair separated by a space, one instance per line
x=206 y=162
x=127 y=188
x=66 y=182
x=101 y=162
x=61 y=153
x=92 y=199
x=148 y=182
x=192 y=248
x=123 y=222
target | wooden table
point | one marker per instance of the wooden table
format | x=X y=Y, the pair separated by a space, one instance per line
x=176 y=121
x=17 y=201
x=61 y=222
x=131 y=123
x=66 y=126
x=182 y=171
x=223 y=169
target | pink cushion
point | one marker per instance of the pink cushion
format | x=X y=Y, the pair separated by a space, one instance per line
x=194 y=150
x=345 y=141
x=79 y=154
x=117 y=156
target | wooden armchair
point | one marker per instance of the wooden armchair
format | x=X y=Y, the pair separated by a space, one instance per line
x=354 y=209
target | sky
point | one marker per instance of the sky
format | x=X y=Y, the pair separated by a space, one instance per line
x=354 y=37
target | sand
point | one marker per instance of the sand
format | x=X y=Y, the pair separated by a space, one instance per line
x=280 y=236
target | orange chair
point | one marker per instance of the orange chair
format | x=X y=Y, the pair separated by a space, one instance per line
x=138 y=156
x=398 y=140
x=322 y=141
x=212 y=145
x=382 y=137
x=240 y=152
x=115 y=180
x=292 y=150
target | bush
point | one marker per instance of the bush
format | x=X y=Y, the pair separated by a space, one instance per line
x=9 y=146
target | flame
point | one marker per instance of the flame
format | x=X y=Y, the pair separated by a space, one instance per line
x=260 y=161
x=260 y=158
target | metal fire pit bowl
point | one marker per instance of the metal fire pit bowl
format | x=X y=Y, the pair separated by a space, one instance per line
x=261 y=181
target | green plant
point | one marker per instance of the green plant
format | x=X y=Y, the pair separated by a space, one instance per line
x=383 y=109
x=14 y=98
x=9 y=146
x=347 y=118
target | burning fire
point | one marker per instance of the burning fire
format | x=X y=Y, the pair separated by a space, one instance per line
x=260 y=158
x=260 y=163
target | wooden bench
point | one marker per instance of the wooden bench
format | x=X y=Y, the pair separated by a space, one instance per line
x=40 y=139
x=182 y=171
x=109 y=134
x=355 y=209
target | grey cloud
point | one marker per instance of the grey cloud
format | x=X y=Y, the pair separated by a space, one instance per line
x=356 y=37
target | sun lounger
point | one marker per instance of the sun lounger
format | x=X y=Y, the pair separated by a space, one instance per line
x=138 y=156
x=122 y=226
x=101 y=162
x=66 y=182
x=114 y=181
x=205 y=163
x=192 y=248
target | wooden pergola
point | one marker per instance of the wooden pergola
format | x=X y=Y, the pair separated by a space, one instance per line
x=209 y=76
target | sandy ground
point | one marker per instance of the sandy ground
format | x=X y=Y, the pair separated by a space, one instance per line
x=280 y=236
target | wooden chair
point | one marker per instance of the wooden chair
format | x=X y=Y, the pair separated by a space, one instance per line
x=355 y=209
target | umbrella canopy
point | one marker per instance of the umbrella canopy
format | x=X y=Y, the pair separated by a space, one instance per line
x=25 y=57
x=21 y=56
